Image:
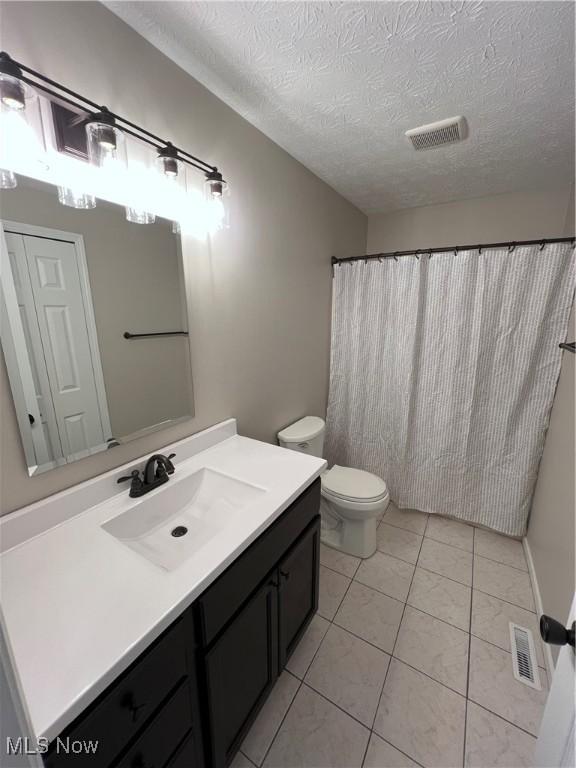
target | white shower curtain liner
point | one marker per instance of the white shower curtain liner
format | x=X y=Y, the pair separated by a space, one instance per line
x=443 y=373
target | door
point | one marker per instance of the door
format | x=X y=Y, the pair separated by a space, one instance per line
x=55 y=280
x=45 y=421
x=51 y=280
x=555 y=747
x=18 y=365
x=298 y=587
x=241 y=670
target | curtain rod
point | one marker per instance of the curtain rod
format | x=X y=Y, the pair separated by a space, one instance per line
x=511 y=245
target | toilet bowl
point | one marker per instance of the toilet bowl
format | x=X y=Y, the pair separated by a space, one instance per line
x=352 y=500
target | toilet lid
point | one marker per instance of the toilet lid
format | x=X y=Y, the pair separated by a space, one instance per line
x=350 y=483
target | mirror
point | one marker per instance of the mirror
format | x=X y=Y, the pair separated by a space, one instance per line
x=85 y=295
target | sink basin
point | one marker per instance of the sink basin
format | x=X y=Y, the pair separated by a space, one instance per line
x=178 y=519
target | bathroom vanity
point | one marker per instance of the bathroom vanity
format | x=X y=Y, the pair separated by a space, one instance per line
x=221 y=622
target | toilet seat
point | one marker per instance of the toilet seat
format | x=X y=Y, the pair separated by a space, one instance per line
x=353 y=485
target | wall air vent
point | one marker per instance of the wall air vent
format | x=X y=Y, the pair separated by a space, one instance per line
x=524 y=656
x=436 y=134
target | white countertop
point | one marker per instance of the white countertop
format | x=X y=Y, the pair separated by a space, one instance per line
x=79 y=606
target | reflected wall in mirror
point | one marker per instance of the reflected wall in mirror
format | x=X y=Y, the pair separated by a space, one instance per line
x=73 y=283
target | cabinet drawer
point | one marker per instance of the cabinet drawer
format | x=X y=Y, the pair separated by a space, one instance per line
x=161 y=739
x=120 y=712
x=225 y=596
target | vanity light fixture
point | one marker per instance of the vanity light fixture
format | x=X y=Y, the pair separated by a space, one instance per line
x=87 y=130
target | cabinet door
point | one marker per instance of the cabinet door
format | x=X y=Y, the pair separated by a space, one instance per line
x=241 y=669
x=298 y=587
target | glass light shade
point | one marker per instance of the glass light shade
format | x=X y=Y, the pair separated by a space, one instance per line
x=137 y=216
x=217 y=193
x=7 y=179
x=216 y=188
x=13 y=92
x=169 y=166
x=75 y=199
x=106 y=146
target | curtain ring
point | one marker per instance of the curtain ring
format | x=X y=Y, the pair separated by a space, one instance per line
x=542 y=244
x=396 y=256
x=365 y=261
x=379 y=260
x=511 y=247
x=417 y=254
x=479 y=250
x=455 y=251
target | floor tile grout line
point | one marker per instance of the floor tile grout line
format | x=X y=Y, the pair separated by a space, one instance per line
x=334 y=704
x=394 y=747
x=396 y=638
x=359 y=637
x=483 y=706
x=422 y=567
x=449 y=543
x=497 y=597
x=499 y=562
x=508 y=722
x=340 y=572
x=426 y=674
x=432 y=616
x=277 y=731
x=410 y=530
x=469 y=658
x=381 y=592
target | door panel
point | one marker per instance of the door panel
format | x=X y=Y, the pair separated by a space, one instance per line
x=298 y=589
x=25 y=358
x=241 y=669
x=55 y=281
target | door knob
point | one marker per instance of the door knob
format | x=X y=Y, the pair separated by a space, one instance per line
x=555 y=633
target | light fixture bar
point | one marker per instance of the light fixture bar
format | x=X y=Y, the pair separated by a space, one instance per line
x=63 y=93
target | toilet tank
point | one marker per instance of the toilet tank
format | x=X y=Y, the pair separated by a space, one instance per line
x=305 y=435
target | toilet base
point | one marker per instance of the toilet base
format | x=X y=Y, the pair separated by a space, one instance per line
x=354 y=537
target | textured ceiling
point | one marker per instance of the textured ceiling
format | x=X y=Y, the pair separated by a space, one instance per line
x=337 y=84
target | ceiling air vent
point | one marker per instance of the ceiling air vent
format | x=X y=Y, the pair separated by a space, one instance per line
x=435 y=134
x=524 y=656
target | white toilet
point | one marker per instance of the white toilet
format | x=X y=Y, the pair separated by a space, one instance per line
x=353 y=501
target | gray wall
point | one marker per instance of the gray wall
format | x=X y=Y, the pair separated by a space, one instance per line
x=519 y=216
x=259 y=297
x=135 y=280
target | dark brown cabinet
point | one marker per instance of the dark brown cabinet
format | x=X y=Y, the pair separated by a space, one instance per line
x=298 y=590
x=190 y=698
x=241 y=669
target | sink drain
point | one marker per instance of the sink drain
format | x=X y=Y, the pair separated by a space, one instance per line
x=180 y=530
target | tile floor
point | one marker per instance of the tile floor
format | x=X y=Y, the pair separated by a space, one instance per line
x=407 y=661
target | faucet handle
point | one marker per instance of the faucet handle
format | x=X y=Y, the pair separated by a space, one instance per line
x=170 y=466
x=134 y=476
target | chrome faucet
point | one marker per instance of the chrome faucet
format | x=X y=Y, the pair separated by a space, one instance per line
x=156 y=472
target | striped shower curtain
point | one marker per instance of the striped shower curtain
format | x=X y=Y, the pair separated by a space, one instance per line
x=443 y=373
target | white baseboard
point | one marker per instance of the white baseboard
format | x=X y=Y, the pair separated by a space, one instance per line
x=539 y=606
